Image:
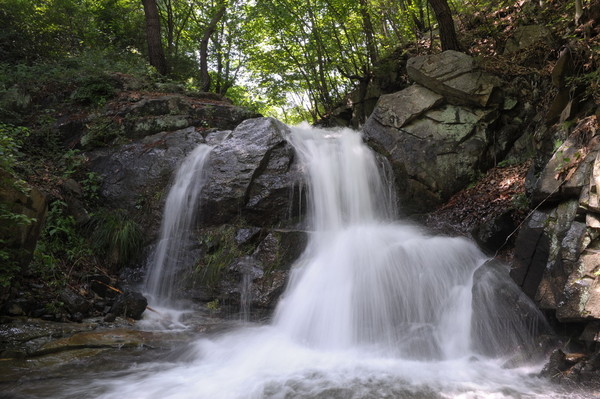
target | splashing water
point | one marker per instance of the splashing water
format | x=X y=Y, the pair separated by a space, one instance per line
x=373 y=309
x=171 y=256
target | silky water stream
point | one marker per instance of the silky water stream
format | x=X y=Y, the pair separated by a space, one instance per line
x=373 y=309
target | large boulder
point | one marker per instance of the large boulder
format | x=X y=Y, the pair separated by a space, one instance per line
x=435 y=150
x=251 y=174
x=456 y=76
x=442 y=132
x=256 y=277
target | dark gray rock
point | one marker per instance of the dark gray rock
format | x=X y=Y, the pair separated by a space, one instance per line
x=398 y=109
x=260 y=273
x=567 y=172
x=131 y=304
x=247 y=236
x=150 y=115
x=493 y=234
x=250 y=174
x=136 y=176
x=532 y=250
x=20 y=239
x=75 y=303
x=101 y=286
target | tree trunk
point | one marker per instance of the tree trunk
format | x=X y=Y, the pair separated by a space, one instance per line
x=446 y=24
x=210 y=29
x=156 y=54
x=578 y=11
x=369 y=35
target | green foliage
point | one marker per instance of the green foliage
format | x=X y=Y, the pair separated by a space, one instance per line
x=101 y=132
x=10 y=267
x=11 y=140
x=56 y=28
x=96 y=90
x=91 y=186
x=115 y=236
x=213 y=306
x=71 y=162
x=521 y=202
x=10 y=222
x=220 y=251
x=62 y=246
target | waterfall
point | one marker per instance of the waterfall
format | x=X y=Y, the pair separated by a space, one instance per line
x=365 y=282
x=172 y=254
x=374 y=308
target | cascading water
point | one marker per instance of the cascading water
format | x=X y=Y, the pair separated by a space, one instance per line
x=373 y=309
x=171 y=256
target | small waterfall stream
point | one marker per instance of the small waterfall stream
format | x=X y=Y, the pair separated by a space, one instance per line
x=171 y=255
x=373 y=308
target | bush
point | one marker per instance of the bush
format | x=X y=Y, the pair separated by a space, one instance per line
x=115 y=236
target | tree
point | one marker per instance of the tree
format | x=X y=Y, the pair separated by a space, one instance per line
x=156 y=54
x=208 y=31
x=446 y=24
x=578 y=11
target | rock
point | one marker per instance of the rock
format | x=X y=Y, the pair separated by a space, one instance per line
x=562 y=244
x=532 y=250
x=252 y=173
x=117 y=338
x=495 y=294
x=562 y=68
x=398 y=109
x=558 y=106
x=74 y=303
x=526 y=36
x=247 y=236
x=492 y=235
x=567 y=172
x=250 y=260
x=110 y=317
x=434 y=156
x=146 y=115
x=100 y=285
x=131 y=304
x=556 y=364
x=21 y=336
x=582 y=290
x=591 y=333
x=135 y=176
x=455 y=76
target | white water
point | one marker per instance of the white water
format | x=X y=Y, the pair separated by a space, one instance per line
x=171 y=256
x=374 y=309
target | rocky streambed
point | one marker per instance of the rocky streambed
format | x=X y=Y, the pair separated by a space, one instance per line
x=45 y=359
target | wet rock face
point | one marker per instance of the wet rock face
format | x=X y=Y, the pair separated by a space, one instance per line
x=135 y=176
x=251 y=188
